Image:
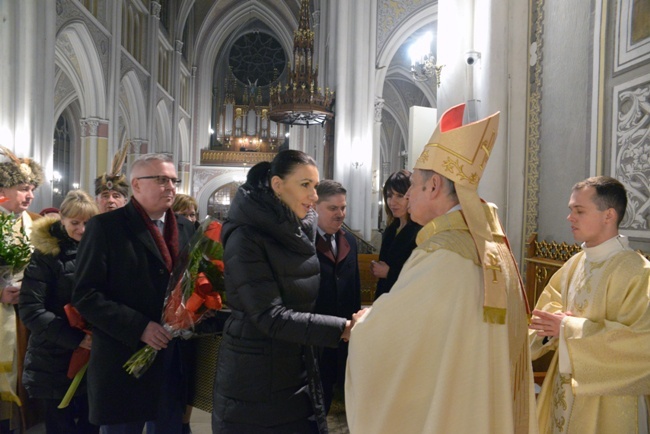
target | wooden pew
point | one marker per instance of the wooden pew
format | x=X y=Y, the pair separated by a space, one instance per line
x=368 y=280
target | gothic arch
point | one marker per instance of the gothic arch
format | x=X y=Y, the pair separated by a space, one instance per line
x=77 y=56
x=215 y=183
x=184 y=140
x=215 y=31
x=162 y=132
x=426 y=15
x=132 y=106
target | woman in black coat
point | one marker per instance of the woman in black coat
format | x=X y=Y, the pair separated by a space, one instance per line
x=398 y=240
x=46 y=288
x=267 y=374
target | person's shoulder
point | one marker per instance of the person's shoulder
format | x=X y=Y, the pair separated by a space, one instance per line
x=33 y=215
x=457 y=241
x=245 y=234
x=629 y=261
x=349 y=236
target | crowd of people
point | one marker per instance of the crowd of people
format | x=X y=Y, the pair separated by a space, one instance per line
x=446 y=346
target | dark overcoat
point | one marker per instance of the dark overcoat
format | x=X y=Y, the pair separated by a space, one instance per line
x=46 y=288
x=121 y=280
x=395 y=250
x=340 y=295
x=266 y=375
x=340 y=283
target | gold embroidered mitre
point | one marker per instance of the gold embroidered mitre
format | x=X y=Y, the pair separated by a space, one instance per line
x=460 y=153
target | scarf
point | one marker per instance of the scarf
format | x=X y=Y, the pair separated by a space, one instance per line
x=167 y=243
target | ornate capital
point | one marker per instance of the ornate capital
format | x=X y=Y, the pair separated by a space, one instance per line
x=154 y=9
x=379 y=106
x=89 y=127
x=179 y=46
x=138 y=146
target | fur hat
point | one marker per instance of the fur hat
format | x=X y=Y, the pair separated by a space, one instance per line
x=19 y=170
x=114 y=180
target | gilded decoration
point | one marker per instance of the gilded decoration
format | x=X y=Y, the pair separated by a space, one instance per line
x=631 y=152
x=454 y=167
x=555 y=251
x=534 y=111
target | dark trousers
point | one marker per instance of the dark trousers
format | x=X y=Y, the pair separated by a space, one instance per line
x=70 y=420
x=331 y=364
x=171 y=403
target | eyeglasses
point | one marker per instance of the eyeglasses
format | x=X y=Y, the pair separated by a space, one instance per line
x=162 y=180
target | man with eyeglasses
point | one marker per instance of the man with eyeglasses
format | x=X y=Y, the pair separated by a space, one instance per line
x=123 y=269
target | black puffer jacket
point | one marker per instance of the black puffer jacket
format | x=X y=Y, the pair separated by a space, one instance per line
x=267 y=370
x=46 y=288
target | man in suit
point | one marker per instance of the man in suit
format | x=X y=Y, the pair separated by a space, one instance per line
x=123 y=269
x=340 y=284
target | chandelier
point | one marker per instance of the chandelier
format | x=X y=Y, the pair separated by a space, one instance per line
x=423 y=64
x=300 y=101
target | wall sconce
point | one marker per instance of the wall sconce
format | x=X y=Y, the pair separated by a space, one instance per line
x=75 y=186
x=423 y=64
x=357 y=165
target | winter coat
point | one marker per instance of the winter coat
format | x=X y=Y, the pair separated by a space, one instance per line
x=120 y=286
x=46 y=288
x=340 y=282
x=395 y=249
x=267 y=368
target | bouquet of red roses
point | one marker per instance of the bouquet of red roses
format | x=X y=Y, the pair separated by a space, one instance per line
x=195 y=288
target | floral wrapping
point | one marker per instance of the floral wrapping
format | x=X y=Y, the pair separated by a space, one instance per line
x=195 y=288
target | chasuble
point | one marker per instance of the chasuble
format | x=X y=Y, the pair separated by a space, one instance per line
x=599 y=378
x=423 y=360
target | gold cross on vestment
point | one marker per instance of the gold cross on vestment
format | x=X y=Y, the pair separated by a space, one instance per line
x=494 y=266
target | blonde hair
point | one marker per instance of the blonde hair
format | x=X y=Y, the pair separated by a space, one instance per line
x=78 y=203
x=183 y=202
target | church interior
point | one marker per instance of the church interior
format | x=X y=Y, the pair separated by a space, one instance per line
x=224 y=84
x=358 y=85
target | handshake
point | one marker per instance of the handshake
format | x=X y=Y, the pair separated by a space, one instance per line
x=350 y=323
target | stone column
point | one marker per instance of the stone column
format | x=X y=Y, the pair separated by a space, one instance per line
x=184 y=175
x=114 y=79
x=377 y=178
x=27 y=40
x=355 y=83
x=176 y=94
x=94 y=151
x=152 y=55
x=497 y=31
x=137 y=147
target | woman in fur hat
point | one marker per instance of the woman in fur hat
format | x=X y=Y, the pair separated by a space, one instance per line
x=47 y=288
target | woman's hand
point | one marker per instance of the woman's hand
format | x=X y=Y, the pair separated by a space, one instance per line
x=379 y=269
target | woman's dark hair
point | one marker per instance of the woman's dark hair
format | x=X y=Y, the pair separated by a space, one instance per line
x=284 y=163
x=398 y=182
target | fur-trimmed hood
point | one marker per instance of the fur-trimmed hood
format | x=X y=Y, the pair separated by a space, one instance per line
x=48 y=234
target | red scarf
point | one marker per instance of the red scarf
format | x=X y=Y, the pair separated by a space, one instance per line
x=167 y=243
